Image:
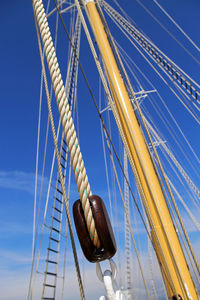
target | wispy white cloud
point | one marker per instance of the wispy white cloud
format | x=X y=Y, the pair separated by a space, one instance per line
x=24 y=181
x=13 y=257
x=17 y=180
x=14 y=228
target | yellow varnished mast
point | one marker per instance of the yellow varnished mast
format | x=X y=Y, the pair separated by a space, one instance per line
x=174 y=267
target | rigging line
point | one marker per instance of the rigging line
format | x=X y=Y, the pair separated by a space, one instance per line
x=175 y=23
x=174 y=134
x=53 y=10
x=127 y=18
x=149 y=247
x=64 y=266
x=193 y=188
x=122 y=10
x=170 y=112
x=35 y=193
x=120 y=253
x=178 y=177
x=128 y=26
x=167 y=84
x=69 y=180
x=157 y=160
x=177 y=164
x=128 y=219
x=126 y=229
x=65 y=251
x=70 y=57
x=186 y=97
x=153 y=287
x=59 y=166
x=165 y=29
x=67 y=9
x=105 y=160
x=70 y=170
x=195 y=222
x=72 y=80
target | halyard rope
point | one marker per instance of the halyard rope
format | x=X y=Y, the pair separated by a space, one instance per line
x=67 y=122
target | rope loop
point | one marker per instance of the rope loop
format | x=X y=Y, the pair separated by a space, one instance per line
x=103 y=227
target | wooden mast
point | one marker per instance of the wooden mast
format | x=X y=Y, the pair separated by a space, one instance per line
x=168 y=249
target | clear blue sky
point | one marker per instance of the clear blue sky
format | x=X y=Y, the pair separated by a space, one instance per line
x=20 y=87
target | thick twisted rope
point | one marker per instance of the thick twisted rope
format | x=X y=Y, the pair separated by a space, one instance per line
x=66 y=118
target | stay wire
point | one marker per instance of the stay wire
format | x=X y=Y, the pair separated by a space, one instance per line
x=176 y=24
x=166 y=30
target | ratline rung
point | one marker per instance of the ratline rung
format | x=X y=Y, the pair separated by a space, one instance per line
x=58 y=200
x=62 y=166
x=63 y=157
x=56 y=230
x=59 y=191
x=56 y=219
x=49 y=285
x=58 y=210
x=55 y=240
x=52 y=250
x=64 y=150
x=51 y=261
x=50 y=273
x=64 y=142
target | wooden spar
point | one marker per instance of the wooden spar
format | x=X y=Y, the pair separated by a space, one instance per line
x=173 y=264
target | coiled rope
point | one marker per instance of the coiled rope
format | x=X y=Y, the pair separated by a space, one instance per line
x=67 y=122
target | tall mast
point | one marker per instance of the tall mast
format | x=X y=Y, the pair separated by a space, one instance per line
x=166 y=243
